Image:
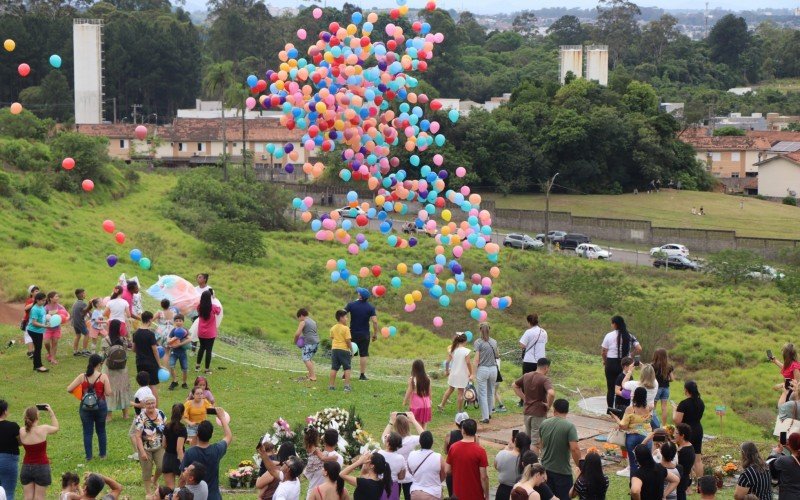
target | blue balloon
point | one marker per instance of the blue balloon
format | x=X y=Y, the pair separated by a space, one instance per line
x=136 y=255
x=160 y=351
x=396 y=282
x=341 y=264
x=392 y=240
x=344 y=273
x=55 y=61
x=163 y=374
x=352 y=280
x=417 y=268
x=468 y=334
x=335 y=276
x=55 y=321
x=444 y=301
x=475 y=313
x=252 y=81
x=392 y=331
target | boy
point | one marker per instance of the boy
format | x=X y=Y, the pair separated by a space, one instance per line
x=143 y=379
x=307 y=327
x=341 y=350
x=79 y=311
x=177 y=341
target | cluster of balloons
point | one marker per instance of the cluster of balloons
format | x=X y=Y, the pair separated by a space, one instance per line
x=119 y=237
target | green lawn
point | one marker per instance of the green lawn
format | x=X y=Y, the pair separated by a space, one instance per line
x=671 y=208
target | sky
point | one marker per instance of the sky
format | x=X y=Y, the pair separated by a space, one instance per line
x=484 y=7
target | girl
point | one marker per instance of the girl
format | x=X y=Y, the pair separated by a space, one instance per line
x=52 y=335
x=790 y=368
x=418 y=393
x=70 y=483
x=332 y=487
x=591 y=483
x=647 y=379
x=400 y=425
x=690 y=411
x=459 y=371
x=174 y=437
x=93 y=419
x=203 y=384
x=194 y=413
x=316 y=460
x=163 y=320
x=636 y=424
x=663 y=376
x=118 y=309
x=375 y=479
x=616 y=345
x=206 y=329
x=97 y=324
x=532 y=477
x=35 y=474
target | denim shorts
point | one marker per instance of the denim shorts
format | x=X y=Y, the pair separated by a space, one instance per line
x=340 y=359
x=177 y=355
x=38 y=474
x=662 y=394
x=309 y=350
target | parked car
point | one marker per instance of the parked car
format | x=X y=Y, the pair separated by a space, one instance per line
x=590 y=250
x=766 y=273
x=411 y=228
x=351 y=212
x=522 y=241
x=553 y=236
x=670 y=249
x=571 y=241
x=677 y=262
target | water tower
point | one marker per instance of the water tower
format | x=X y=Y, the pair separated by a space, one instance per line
x=597 y=63
x=571 y=59
x=87 y=46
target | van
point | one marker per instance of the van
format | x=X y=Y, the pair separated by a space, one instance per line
x=571 y=241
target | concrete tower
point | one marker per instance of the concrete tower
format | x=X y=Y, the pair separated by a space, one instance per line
x=87 y=44
x=571 y=59
x=597 y=63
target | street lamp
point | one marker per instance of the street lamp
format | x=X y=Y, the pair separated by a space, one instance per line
x=547 y=212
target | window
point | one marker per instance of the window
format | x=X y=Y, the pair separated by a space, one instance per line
x=735 y=156
x=181 y=146
x=201 y=147
x=751 y=174
x=716 y=156
x=123 y=144
x=735 y=175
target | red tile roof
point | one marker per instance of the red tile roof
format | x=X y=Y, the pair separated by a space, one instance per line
x=775 y=136
x=792 y=157
x=727 y=143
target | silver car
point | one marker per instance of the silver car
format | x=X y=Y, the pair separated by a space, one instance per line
x=522 y=241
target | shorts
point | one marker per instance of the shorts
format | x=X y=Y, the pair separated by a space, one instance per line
x=80 y=329
x=340 y=359
x=363 y=347
x=151 y=370
x=156 y=458
x=176 y=355
x=532 y=426
x=191 y=430
x=38 y=474
x=309 y=350
x=662 y=394
x=52 y=333
x=170 y=464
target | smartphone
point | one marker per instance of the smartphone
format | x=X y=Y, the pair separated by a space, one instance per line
x=637 y=361
x=787 y=383
x=41 y=407
x=402 y=413
x=769 y=355
x=514 y=434
x=211 y=411
x=659 y=438
x=783 y=439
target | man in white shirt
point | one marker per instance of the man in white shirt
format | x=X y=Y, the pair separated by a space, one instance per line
x=532 y=343
x=288 y=475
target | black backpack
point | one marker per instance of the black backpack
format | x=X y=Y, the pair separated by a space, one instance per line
x=90 y=401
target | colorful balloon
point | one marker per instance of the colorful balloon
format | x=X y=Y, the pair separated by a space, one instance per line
x=16 y=108
x=68 y=163
x=120 y=237
x=55 y=61
x=111 y=260
x=140 y=132
x=9 y=45
x=87 y=185
x=108 y=226
x=23 y=70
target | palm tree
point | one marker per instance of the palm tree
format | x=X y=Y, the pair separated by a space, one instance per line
x=216 y=82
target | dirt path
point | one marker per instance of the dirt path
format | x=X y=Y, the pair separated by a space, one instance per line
x=11 y=313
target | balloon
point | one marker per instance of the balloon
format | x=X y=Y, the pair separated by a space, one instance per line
x=16 y=108
x=354 y=347
x=160 y=352
x=9 y=45
x=55 y=321
x=120 y=237
x=301 y=34
x=140 y=132
x=87 y=185
x=108 y=226
x=227 y=418
x=163 y=374
x=453 y=115
x=438 y=321
x=461 y=172
x=136 y=255
x=144 y=263
x=111 y=260
x=468 y=335
x=55 y=61
x=68 y=163
x=300 y=342
x=250 y=102
x=317 y=13
x=23 y=70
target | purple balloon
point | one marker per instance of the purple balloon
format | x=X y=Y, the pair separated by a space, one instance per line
x=456 y=269
x=443 y=174
x=111 y=260
x=360 y=238
x=288 y=147
x=412 y=242
x=486 y=290
x=289 y=168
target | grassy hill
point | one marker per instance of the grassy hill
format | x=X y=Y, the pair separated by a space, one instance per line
x=671 y=208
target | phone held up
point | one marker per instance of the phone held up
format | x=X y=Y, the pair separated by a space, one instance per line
x=783 y=439
x=770 y=357
x=211 y=411
x=514 y=434
x=42 y=407
x=637 y=360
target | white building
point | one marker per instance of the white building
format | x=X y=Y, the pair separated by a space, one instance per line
x=779 y=176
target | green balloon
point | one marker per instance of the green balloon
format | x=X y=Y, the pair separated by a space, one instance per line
x=144 y=263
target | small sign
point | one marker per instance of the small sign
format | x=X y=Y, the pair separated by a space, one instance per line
x=720 y=410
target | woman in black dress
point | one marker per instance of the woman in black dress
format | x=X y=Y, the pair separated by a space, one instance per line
x=690 y=411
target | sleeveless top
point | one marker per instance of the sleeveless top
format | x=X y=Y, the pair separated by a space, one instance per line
x=36 y=454
x=310 y=334
x=519 y=493
x=99 y=388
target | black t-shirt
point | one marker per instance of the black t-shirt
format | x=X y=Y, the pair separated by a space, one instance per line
x=544 y=491
x=9 y=432
x=652 y=481
x=692 y=409
x=143 y=342
x=620 y=399
x=172 y=438
x=686 y=456
x=368 y=489
x=664 y=382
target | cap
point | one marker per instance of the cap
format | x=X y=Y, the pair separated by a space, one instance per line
x=363 y=293
x=460 y=417
x=31 y=288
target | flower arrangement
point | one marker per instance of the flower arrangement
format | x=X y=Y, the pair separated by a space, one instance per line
x=243 y=476
x=283 y=431
x=670 y=431
x=728 y=466
x=610 y=448
x=365 y=441
x=329 y=418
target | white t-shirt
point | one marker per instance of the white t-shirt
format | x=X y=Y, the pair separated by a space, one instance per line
x=426 y=475
x=287 y=490
x=199 y=490
x=117 y=309
x=201 y=289
x=535 y=340
x=631 y=385
x=314 y=470
x=610 y=343
x=395 y=461
x=2 y=493
x=409 y=443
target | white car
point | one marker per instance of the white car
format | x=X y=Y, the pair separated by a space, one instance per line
x=592 y=251
x=670 y=250
x=351 y=212
x=766 y=273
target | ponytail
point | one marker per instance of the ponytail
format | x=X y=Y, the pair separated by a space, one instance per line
x=31 y=416
x=114 y=328
x=380 y=466
x=458 y=339
x=333 y=469
x=623 y=336
x=94 y=361
x=117 y=292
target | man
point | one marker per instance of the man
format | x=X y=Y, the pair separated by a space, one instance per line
x=708 y=487
x=209 y=454
x=202 y=283
x=532 y=343
x=536 y=390
x=93 y=485
x=362 y=313
x=467 y=462
x=191 y=480
x=559 y=440
x=79 y=310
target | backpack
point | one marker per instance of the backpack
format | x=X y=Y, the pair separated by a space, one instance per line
x=89 y=401
x=117 y=357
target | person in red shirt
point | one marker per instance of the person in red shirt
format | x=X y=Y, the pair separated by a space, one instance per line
x=467 y=462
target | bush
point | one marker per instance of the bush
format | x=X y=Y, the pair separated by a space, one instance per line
x=36 y=184
x=24 y=125
x=5 y=184
x=789 y=200
x=25 y=155
x=150 y=244
x=235 y=241
x=90 y=155
x=732 y=266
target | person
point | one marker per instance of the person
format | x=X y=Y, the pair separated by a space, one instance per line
x=70 y=486
x=467 y=462
x=559 y=440
x=427 y=468
x=694 y=211
x=647 y=380
x=174 y=440
x=396 y=462
x=307 y=327
x=116 y=368
x=142 y=393
x=79 y=311
x=93 y=485
x=9 y=451
x=202 y=283
x=93 y=418
x=362 y=314
x=146 y=348
x=663 y=371
x=37 y=325
x=458 y=369
x=686 y=458
x=332 y=485
x=287 y=476
x=118 y=309
x=150 y=425
x=707 y=485
x=400 y=423
x=418 y=393
x=533 y=344
x=536 y=390
x=701 y=212
x=790 y=367
x=202 y=382
x=29 y=303
x=210 y=454
x=755 y=477
x=375 y=480
x=207 y=313
x=507 y=464
x=668 y=452
x=195 y=413
x=192 y=479
x=591 y=484
x=690 y=411
x=636 y=424
x=98 y=328
x=317 y=458
x=178 y=341
x=533 y=476
x=531 y=458
x=341 y=351
x=622 y=396
x=789 y=403
x=616 y=345
x=52 y=334
x=786 y=468
x=266 y=484
x=35 y=475
x=129 y=291
x=453 y=437
x=164 y=322
x=651 y=480
x=485 y=370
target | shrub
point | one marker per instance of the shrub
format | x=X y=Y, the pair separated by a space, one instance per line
x=25 y=155
x=789 y=200
x=90 y=155
x=732 y=266
x=5 y=184
x=150 y=244
x=235 y=241
x=36 y=184
x=24 y=125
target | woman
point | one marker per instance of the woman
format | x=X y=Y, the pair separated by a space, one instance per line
x=118 y=309
x=375 y=480
x=616 y=345
x=651 y=480
x=93 y=380
x=333 y=486
x=664 y=372
x=647 y=379
x=150 y=425
x=174 y=441
x=146 y=348
x=395 y=461
x=533 y=344
x=636 y=424
x=755 y=478
x=591 y=484
x=265 y=484
x=789 y=403
x=206 y=329
x=427 y=468
x=458 y=369
x=118 y=395
x=9 y=451
x=786 y=468
x=686 y=459
x=485 y=368
x=37 y=325
x=401 y=423
x=533 y=476
x=35 y=474
x=507 y=464
x=29 y=303
x=453 y=437
x=418 y=393
x=52 y=334
x=690 y=411
x=790 y=368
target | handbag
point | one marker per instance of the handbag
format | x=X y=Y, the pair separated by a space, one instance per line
x=787 y=425
x=617 y=437
x=497 y=364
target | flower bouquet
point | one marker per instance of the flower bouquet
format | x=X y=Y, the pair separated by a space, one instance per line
x=283 y=432
x=726 y=469
x=610 y=449
x=243 y=476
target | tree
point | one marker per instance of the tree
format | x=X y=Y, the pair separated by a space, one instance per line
x=236 y=241
x=617 y=26
x=473 y=33
x=567 y=30
x=728 y=130
x=216 y=82
x=657 y=35
x=732 y=266
x=728 y=40
x=641 y=98
x=794 y=127
x=524 y=23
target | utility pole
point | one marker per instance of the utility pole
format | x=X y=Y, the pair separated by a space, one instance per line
x=114 y=99
x=135 y=108
x=549 y=185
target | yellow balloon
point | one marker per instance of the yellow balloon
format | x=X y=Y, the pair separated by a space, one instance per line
x=409 y=299
x=446 y=215
x=470 y=304
x=10 y=45
x=402 y=268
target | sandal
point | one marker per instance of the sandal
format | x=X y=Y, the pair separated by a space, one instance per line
x=440 y=407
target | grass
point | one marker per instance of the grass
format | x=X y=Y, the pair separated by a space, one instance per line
x=671 y=208
x=781 y=84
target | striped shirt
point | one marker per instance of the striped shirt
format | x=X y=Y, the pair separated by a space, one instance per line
x=757 y=481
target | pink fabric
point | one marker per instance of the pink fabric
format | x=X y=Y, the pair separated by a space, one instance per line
x=207 y=328
x=421 y=408
x=788 y=372
x=54 y=333
x=128 y=297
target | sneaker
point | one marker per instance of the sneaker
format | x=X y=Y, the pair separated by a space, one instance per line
x=331 y=388
x=184 y=386
x=77 y=353
x=485 y=421
x=347 y=388
x=30 y=355
x=173 y=385
x=363 y=377
x=133 y=456
x=502 y=409
x=207 y=372
x=520 y=403
x=86 y=353
x=626 y=472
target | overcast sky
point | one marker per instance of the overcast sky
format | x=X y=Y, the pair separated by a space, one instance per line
x=484 y=7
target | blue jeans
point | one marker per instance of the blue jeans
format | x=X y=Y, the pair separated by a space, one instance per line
x=485 y=380
x=92 y=420
x=9 y=471
x=559 y=483
x=631 y=442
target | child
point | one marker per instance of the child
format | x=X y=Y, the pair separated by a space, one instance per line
x=79 y=311
x=70 y=486
x=203 y=383
x=418 y=394
x=97 y=324
x=458 y=369
x=143 y=379
x=177 y=341
x=194 y=413
x=341 y=350
x=164 y=323
x=316 y=459
x=52 y=335
x=307 y=327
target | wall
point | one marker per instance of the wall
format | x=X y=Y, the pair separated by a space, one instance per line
x=777 y=176
x=571 y=58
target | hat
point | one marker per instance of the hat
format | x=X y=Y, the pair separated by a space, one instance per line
x=460 y=417
x=363 y=293
x=31 y=288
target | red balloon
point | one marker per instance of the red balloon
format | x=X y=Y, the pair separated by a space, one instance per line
x=417 y=26
x=68 y=163
x=108 y=226
x=430 y=5
x=361 y=219
x=436 y=105
x=422 y=66
x=376 y=270
x=379 y=290
x=394 y=13
x=87 y=185
x=24 y=70
x=120 y=237
x=141 y=132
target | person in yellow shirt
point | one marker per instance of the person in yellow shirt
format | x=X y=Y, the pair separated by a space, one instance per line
x=195 y=412
x=341 y=350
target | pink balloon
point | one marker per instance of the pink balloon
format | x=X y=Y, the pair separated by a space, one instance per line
x=317 y=13
x=434 y=127
x=250 y=102
x=464 y=190
x=308 y=201
x=438 y=321
x=410 y=307
x=495 y=302
x=301 y=34
x=141 y=132
x=353 y=249
x=461 y=172
x=457 y=252
x=329 y=224
x=438 y=160
x=483 y=316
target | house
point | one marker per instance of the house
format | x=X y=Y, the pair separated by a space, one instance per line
x=779 y=176
x=729 y=156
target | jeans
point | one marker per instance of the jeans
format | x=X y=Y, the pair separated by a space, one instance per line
x=613 y=369
x=38 y=339
x=206 y=346
x=91 y=421
x=9 y=468
x=631 y=442
x=655 y=422
x=559 y=483
x=486 y=378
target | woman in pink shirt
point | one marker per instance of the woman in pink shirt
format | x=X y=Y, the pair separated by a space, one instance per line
x=790 y=368
x=206 y=328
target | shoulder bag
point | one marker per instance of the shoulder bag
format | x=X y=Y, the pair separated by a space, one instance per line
x=525 y=352
x=496 y=357
x=617 y=437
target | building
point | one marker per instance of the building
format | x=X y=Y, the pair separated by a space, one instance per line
x=776 y=121
x=755 y=121
x=779 y=176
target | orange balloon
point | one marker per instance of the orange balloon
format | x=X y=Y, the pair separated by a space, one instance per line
x=305 y=216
